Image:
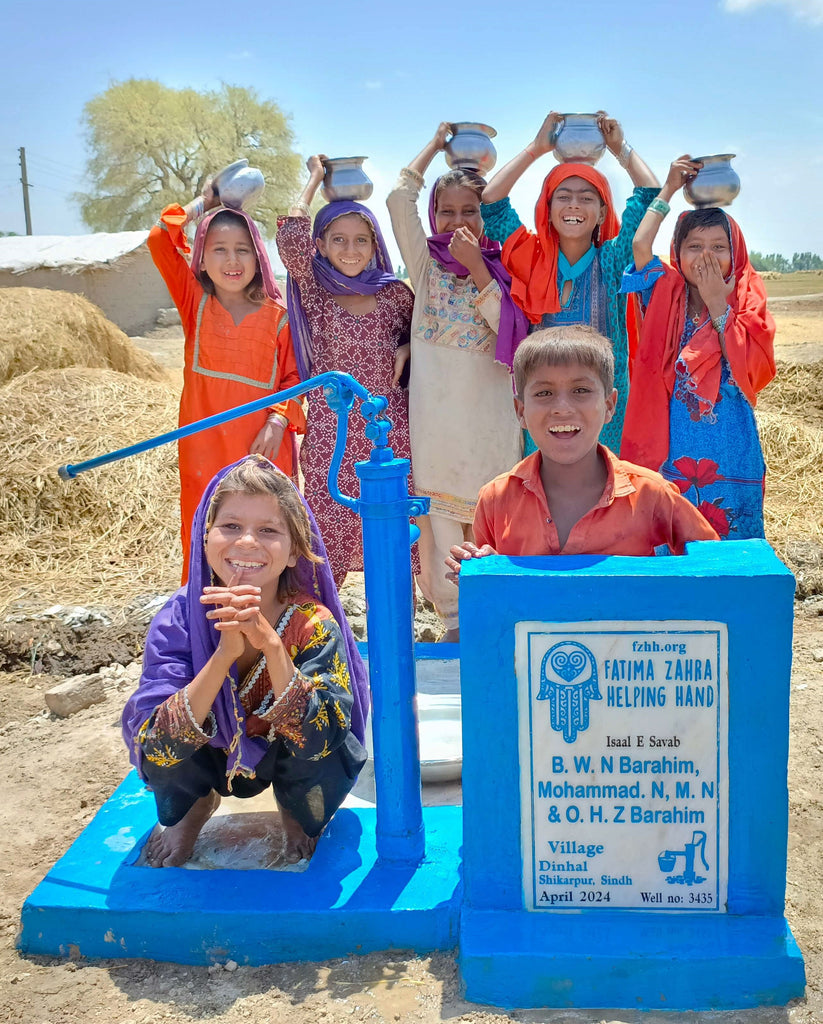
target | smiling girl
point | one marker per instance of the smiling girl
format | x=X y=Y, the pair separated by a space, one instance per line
x=706 y=350
x=251 y=675
x=464 y=334
x=569 y=271
x=348 y=312
x=237 y=343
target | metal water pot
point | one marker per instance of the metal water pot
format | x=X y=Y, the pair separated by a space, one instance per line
x=578 y=139
x=470 y=148
x=716 y=183
x=346 y=179
x=238 y=185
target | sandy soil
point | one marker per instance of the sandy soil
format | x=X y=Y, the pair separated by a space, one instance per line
x=58 y=772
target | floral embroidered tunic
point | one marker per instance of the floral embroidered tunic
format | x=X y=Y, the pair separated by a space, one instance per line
x=595 y=297
x=463 y=428
x=312 y=716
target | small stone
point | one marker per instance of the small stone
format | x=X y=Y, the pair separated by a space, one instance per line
x=215 y=968
x=168 y=317
x=74 y=694
x=231 y=965
x=818 y=654
x=54 y=647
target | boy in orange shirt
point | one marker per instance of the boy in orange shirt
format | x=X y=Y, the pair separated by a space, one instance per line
x=573 y=496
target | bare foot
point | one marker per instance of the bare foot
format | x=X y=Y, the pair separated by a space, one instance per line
x=298 y=844
x=170 y=847
x=451 y=636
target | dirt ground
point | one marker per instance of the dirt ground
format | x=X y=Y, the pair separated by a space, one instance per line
x=58 y=772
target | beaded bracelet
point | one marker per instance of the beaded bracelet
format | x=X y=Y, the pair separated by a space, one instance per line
x=658 y=205
x=415 y=176
x=719 y=322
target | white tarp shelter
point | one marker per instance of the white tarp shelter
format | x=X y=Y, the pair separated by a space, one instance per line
x=113 y=270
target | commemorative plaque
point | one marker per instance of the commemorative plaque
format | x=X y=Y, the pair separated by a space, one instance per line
x=624 y=768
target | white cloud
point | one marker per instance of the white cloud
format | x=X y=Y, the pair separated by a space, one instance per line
x=808 y=10
x=241 y=55
x=373 y=85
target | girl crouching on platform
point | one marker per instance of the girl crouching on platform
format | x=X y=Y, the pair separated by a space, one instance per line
x=251 y=676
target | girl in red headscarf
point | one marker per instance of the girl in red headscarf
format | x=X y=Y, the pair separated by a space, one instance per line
x=706 y=350
x=569 y=270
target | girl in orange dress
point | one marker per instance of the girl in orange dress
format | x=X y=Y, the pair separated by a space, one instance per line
x=237 y=348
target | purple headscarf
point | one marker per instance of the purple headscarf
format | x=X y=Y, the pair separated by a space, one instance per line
x=377 y=275
x=269 y=283
x=514 y=325
x=181 y=640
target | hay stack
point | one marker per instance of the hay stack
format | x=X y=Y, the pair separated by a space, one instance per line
x=41 y=329
x=790 y=417
x=110 y=535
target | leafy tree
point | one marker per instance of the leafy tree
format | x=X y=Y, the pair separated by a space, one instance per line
x=806 y=261
x=151 y=145
x=770 y=261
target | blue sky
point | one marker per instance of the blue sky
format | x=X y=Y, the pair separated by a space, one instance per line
x=710 y=76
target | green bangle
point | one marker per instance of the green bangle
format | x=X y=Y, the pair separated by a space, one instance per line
x=660 y=206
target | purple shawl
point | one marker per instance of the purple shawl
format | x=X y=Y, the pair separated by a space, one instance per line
x=181 y=640
x=269 y=283
x=377 y=275
x=514 y=325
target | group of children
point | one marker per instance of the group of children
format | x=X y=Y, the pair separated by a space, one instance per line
x=251 y=675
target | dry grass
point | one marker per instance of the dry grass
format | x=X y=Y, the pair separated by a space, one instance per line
x=111 y=534
x=41 y=329
x=789 y=418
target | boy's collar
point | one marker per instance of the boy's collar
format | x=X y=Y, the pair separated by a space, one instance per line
x=618 y=481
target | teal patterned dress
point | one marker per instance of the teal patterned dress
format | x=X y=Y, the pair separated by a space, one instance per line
x=595 y=296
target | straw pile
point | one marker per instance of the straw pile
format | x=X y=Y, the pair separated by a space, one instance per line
x=112 y=534
x=790 y=418
x=41 y=329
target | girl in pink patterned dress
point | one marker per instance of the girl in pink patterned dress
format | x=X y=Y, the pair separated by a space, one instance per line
x=347 y=312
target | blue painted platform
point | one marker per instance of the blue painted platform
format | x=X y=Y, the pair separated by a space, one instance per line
x=96 y=903
x=746 y=956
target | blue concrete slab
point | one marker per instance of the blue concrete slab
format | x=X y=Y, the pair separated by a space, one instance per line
x=97 y=903
x=598 y=960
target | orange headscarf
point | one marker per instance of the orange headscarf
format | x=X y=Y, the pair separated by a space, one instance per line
x=748 y=338
x=531 y=259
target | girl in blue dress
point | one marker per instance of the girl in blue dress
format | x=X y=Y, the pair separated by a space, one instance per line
x=706 y=350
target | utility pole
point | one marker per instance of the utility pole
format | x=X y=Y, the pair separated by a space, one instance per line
x=25 y=182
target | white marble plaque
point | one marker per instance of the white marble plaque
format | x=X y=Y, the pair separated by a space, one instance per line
x=624 y=768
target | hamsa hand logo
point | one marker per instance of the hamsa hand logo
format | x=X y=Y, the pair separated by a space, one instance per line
x=568 y=679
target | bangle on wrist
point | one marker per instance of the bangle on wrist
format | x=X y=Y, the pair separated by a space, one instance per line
x=719 y=322
x=530 y=150
x=303 y=208
x=658 y=205
x=279 y=418
x=196 y=209
x=625 y=153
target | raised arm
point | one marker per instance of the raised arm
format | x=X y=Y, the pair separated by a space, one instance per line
x=682 y=169
x=640 y=173
x=503 y=182
x=431 y=149
x=317 y=172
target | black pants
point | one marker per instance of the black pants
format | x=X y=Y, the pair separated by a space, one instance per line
x=311 y=790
